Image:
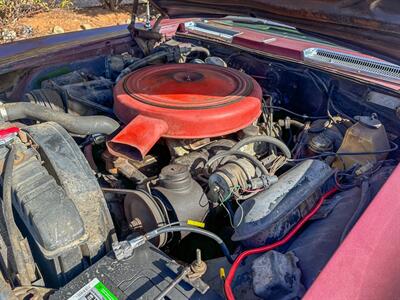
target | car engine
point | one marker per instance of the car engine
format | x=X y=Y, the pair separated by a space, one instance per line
x=145 y=176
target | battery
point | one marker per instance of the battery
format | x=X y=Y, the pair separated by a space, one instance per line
x=144 y=275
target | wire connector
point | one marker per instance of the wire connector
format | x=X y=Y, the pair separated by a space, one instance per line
x=124 y=249
x=262 y=182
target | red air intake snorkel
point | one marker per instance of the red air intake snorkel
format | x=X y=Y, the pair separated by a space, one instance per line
x=181 y=101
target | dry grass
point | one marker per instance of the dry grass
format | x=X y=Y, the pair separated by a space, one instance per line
x=12 y=10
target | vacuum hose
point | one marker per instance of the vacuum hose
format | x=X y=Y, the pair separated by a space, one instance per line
x=264 y=139
x=141 y=63
x=216 y=238
x=157 y=56
x=82 y=125
x=250 y=157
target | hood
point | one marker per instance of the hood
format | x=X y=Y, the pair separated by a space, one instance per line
x=369 y=26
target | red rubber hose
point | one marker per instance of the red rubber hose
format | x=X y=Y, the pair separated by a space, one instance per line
x=231 y=275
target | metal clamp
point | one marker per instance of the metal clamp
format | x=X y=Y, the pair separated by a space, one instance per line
x=124 y=249
x=190 y=274
x=8 y=135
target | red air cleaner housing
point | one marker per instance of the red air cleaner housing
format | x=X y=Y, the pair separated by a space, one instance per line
x=181 y=101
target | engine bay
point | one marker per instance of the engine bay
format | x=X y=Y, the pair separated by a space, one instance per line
x=150 y=174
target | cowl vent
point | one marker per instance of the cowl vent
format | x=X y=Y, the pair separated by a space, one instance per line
x=357 y=64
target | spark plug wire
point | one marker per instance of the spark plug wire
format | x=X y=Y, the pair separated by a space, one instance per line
x=231 y=275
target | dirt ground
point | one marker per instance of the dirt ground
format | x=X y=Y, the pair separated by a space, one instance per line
x=72 y=20
x=66 y=20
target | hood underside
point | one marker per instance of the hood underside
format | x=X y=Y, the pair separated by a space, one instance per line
x=369 y=26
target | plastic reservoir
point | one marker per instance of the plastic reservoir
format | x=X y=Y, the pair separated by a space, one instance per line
x=367 y=135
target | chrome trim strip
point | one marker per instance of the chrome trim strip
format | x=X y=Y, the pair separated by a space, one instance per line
x=357 y=64
x=208 y=30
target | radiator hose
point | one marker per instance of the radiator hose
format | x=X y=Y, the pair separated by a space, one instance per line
x=81 y=125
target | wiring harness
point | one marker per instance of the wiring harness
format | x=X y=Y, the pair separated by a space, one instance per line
x=231 y=275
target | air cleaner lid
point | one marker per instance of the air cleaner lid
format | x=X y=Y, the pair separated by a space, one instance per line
x=194 y=100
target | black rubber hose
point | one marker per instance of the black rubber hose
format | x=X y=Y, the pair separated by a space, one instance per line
x=82 y=125
x=290 y=122
x=264 y=139
x=141 y=63
x=159 y=231
x=153 y=57
x=296 y=123
x=12 y=229
x=200 y=49
x=252 y=158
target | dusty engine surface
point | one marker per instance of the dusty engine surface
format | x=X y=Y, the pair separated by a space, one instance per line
x=60 y=203
x=141 y=179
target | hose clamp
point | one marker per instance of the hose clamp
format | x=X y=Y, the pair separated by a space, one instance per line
x=3 y=113
x=8 y=135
